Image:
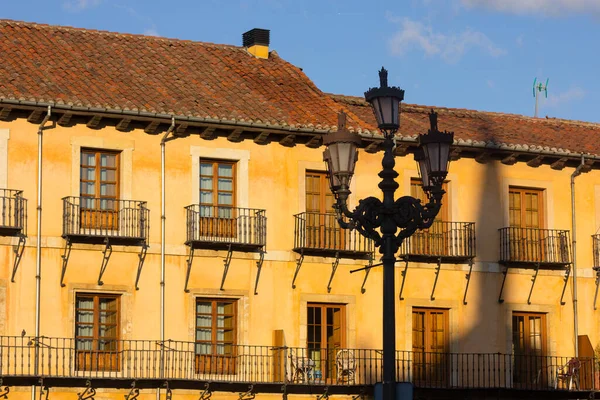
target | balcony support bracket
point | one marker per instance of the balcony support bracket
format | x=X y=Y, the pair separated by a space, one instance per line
x=468 y=277
x=505 y=272
x=206 y=393
x=65 y=260
x=249 y=395
x=403 y=273
x=367 y=270
x=597 y=284
x=18 y=250
x=44 y=390
x=259 y=265
x=533 y=279
x=325 y=395
x=189 y=261
x=567 y=274
x=134 y=392
x=226 y=264
x=106 y=253
x=298 y=266
x=4 y=390
x=141 y=259
x=88 y=393
x=334 y=266
x=437 y=275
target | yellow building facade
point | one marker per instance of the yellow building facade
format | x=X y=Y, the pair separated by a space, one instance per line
x=268 y=296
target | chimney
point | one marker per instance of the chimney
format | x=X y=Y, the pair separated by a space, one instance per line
x=256 y=41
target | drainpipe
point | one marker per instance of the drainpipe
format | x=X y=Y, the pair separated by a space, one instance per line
x=38 y=247
x=575 y=173
x=163 y=218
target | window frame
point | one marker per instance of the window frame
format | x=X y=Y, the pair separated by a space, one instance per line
x=214 y=328
x=97 y=178
x=215 y=182
x=522 y=191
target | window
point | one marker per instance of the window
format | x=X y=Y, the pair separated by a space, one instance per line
x=529 y=347
x=526 y=218
x=217 y=198
x=97 y=332
x=322 y=228
x=99 y=189
x=326 y=324
x=435 y=240
x=430 y=345
x=216 y=332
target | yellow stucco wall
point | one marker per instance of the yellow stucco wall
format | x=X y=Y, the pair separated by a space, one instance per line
x=477 y=193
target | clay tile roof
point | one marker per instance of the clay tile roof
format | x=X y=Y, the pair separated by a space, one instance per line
x=115 y=71
x=508 y=131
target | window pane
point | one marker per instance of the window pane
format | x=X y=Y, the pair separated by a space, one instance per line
x=203 y=307
x=88 y=173
x=226 y=198
x=206 y=211
x=108 y=160
x=108 y=304
x=87 y=188
x=85 y=330
x=225 y=184
x=224 y=322
x=85 y=302
x=108 y=331
x=206 y=183
x=82 y=344
x=108 y=189
x=108 y=175
x=85 y=316
x=206 y=169
x=203 y=334
x=226 y=170
x=203 y=348
x=88 y=159
x=206 y=197
x=204 y=321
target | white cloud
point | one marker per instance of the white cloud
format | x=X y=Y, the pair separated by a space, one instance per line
x=573 y=94
x=451 y=47
x=151 y=32
x=544 y=7
x=80 y=5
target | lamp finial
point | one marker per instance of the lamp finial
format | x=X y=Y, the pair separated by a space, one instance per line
x=433 y=121
x=383 y=78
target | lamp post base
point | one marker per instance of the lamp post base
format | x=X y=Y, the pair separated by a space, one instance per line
x=404 y=391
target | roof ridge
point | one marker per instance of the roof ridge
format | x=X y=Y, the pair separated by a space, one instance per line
x=112 y=33
x=359 y=101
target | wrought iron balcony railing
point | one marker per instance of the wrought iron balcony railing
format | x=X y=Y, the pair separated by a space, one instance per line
x=98 y=219
x=446 y=240
x=175 y=360
x=13 y=213
x=222 y=226
x=320 y=234
x=535 y=246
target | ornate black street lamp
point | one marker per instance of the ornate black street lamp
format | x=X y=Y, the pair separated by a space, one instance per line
x=390 y=221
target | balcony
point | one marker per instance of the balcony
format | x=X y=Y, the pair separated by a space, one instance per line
x=65 y=362
x=550 y=248
x=320 y=235
x=446 y=241
x=96 y=220
x=13 y=216
x=223 y=227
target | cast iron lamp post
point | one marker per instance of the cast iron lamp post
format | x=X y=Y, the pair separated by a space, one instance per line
x=390 y=221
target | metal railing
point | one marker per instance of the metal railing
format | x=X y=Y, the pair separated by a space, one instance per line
x=228 y=225
x=318 y=231
x=99 y=217
x=533 y=245
x=442 y=239
x=149 y=359
x=596 y=249
x=13 y=211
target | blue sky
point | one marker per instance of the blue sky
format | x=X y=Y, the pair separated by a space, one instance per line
x=477 y=54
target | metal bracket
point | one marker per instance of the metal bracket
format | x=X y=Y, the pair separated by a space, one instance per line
x=468 y=277
x=88 y=393
x=284 y=394
x=505 y=272
x=403 y=273
x=367 y=270
x=259 y=264
x=18 y=250
x=361 y=395
x=325 y=394
x=4 y=390
x=142 y=258
x=206 y=393
x=334 y=266
x=567 y=274
x=44 y=391
x=437 y=275
x=597 y=284
x=249 y=395
x=168 y=391
x=189 y=261
x=65 y=260
x=298 y=265
x=133 y=393
x=533 y=279
x=226 y=263
x=106 y=253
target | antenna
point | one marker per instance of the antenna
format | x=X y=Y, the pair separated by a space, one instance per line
x=539 y=87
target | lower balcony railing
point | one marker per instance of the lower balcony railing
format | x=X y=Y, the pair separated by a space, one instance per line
x=535 y=246
x=13 y=212
x=451 y=240
x=316 y=233
x=147 y=359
